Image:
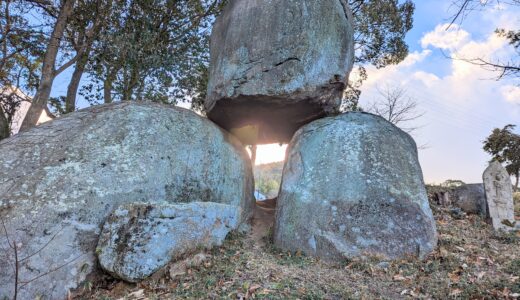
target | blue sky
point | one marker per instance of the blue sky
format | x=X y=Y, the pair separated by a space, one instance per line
x=462 y=103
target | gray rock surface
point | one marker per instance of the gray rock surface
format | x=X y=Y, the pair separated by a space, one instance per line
x=499 y=196
x=60 y=180
x=352 y=186
x=279 y=64
x=139 y=239
x=470 y=198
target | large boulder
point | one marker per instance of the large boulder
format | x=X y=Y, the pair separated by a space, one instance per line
x=62 y=179
x=140 y=238
x=352 y=186
x=499 y=196
x=278 y=65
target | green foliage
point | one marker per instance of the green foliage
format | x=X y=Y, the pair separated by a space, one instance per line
x=451 y=183
x=513 y=267
x=380 y=30
x=268 y=178
x=504 y=146
x=267 y=186
x=511 y=35
x=152 y=50
x=22 y=48
x=381 y=26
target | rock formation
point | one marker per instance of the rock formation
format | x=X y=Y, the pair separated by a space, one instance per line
x=138 y=239
x=470 y=198
x=352 y=186
x=67 y=176
x=278 y=64
x=499 y=196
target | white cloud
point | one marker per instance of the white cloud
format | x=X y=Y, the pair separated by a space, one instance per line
x=415 y=57
x=462 y=105
x=445 y=38
x=428 y=79
x=511 y=93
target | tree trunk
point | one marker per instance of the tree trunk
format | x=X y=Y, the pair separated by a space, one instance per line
x=48 y=70
x=4 y=125
x=107 y=91
x=107 y=86
x=72 y=89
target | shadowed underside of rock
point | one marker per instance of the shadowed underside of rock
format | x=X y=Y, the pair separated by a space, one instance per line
x=279 y=64
x=276 y=121
x=352 y=186
x=139 y=239
x=68 y=175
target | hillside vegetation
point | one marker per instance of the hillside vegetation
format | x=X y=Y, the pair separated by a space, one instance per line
x=268 y=178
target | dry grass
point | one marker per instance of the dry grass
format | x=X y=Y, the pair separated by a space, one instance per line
x=472 y=262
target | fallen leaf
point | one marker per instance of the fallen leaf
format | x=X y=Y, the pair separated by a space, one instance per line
x=254 y=287
x=399 y=277
x=455 y=292
x=481 y=275
x=460 y=249
x=454 y=277
x=137 y=295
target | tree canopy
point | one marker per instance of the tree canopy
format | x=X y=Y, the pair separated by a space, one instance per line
x=156 y=50
x=380 y=30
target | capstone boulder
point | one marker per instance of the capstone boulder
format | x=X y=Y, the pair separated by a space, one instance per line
x=278 y=65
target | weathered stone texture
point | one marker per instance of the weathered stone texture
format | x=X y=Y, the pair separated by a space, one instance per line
x=279 y=64
x=499 y=195
x=139 y=239
x=352 y=186
x=60 y=180
x=470 y=198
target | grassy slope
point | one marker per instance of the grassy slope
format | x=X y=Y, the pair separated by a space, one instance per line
x=471 y=262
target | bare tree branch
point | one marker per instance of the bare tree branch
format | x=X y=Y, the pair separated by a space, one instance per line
x=396 y=107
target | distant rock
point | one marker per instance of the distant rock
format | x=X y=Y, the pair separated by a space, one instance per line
x=139 y=239
x=62 y=179
x=353 y=186
x=470 y=198
x=279 y=64
x=499 y=195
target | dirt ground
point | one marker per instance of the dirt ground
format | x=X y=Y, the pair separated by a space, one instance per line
x=472 y=262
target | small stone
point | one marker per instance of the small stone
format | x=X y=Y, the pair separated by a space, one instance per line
x=177 y=269
x=197 y=260
x=457 y=213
